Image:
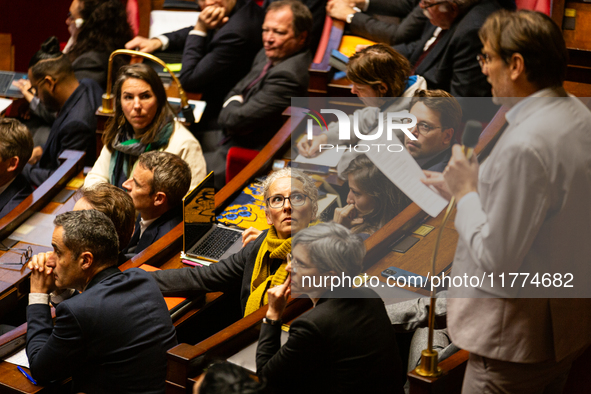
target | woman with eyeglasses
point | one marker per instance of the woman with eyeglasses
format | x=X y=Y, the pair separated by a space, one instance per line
x=373 y=200
x=346 y=343
x=291 y=203
x=382 y=79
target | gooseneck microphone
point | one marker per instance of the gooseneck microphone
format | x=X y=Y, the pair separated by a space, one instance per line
x=428 y=365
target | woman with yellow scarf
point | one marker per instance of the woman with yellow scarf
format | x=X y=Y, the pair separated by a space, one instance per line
x=291 y=203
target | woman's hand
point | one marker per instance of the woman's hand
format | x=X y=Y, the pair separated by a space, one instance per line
x=278 y=297
x=347 y=216
x=311 y=148
x=36 y=155
x=436 y=179
x=249 y=235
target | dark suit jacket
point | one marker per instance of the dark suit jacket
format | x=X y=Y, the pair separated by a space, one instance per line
x=260 y=113
x=451 y=65
x=159 y=228
x=212 y=65
x=228 y=275
x=74 y=128
x=111 y=338
x=343 y=345
x=16 y=192
x=439 y=161
x=409 y=29
x=92 y=65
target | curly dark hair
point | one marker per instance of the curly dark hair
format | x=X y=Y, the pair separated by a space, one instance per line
x=105 y=27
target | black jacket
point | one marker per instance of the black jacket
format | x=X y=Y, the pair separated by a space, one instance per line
x=16 y=192
x=346 y=344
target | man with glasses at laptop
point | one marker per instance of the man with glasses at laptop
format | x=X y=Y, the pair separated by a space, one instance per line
x=157 y=186
x=291 y=203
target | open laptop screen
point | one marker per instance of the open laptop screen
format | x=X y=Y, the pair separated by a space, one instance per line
x=198 y=212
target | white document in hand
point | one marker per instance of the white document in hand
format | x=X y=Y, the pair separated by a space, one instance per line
x=406 y=174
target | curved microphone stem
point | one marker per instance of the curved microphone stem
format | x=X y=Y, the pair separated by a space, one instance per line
x=428 y=365
x=107 y=107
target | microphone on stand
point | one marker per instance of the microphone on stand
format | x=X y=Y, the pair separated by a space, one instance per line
x=429 y=357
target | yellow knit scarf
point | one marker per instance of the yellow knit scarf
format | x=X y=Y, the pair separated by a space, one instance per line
x=275 y=248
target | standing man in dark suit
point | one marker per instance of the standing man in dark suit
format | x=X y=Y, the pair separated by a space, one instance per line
x=54 y=82
x=157 y=186
x=251 y=114
x=112 y=337
x=446 y=52
x=16 y=146
x=345 y=344
x=217 y=51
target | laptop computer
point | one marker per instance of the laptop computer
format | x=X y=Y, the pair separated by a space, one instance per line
x=7 y=89
x=203 y=238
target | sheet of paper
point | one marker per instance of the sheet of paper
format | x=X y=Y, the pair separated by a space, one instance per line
x=4 y=103
x=167 y=21
x=19 y=358
x=404 y=172
x=246 y=358
x=329 y=158
x=198 y=109
x=36 y=230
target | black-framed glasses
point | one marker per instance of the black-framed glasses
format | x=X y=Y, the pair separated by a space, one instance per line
x=423 y=127
x=34 y=89
x=277 y=201
x=26 y=254
x=483 y=58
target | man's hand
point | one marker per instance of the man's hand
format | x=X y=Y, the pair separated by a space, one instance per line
x=339 y=9
x=460 y=174
x=36 y=155
x=42 y=280
x=278 y=297
x=24 y=85
x=435 y=179
x=347 y=216
x=249 y=235
x=144 y=44
x=311 y=148
x=212 y=17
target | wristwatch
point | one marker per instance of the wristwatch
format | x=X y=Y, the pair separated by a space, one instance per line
x=272 y=322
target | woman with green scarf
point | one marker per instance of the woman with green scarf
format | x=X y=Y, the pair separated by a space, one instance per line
x=143 y=122
x=291 y=204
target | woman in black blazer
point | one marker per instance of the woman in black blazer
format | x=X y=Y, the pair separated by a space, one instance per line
x=345 y=344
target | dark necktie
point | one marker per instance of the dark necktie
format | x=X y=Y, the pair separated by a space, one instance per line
x=257 y=79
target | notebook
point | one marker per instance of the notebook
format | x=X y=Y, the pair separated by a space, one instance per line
x=7 y=89
x=203 y=238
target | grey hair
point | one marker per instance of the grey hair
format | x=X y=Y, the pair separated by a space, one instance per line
x=332 y=247
x=90 y=231
x=309 y=187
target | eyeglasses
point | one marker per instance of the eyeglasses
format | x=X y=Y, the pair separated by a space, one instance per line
x=25 y=255
x=34 y=89
x=483 y=58
x=277 y=201
x=424 y=5
x=424 y=128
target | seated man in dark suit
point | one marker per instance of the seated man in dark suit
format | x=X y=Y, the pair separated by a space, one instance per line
x=217 y=51
x=54 y=82
x=157 y=186
x=345 y=344
x=359 y=15
x=16 y=146
x=445 y=53
x=114 y=335
x=251 y=114
x=438 y=119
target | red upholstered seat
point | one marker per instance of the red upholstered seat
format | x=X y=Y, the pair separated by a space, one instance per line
x=542 y=6
x=237 y=159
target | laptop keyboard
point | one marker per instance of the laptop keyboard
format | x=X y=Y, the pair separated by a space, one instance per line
x=5 y=81
x=216 y=243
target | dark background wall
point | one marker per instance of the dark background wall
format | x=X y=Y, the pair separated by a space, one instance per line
x=31 y=22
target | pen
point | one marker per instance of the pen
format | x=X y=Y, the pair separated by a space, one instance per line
x=27 y=375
